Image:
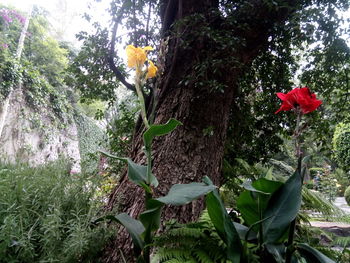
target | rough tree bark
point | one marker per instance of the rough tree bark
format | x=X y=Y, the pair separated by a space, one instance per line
x=190 y=153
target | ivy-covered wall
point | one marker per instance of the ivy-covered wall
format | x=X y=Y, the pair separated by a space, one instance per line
x=91 y=139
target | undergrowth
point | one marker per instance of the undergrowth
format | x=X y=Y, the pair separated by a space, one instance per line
x=196 y=242
x=45 y=215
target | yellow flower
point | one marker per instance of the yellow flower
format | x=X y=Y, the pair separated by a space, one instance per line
x=152 y=70
x=136 y=55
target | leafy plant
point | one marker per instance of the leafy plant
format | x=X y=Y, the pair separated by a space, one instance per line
x=347 y=195
x=192 y=242
x=142 y=230
x=341 y=142
x=46 y=214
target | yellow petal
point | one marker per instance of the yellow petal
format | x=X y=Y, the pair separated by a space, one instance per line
x=136 y=56
x=131 y=56
x=152 y=70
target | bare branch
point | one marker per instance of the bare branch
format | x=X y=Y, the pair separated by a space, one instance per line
x=110 y=57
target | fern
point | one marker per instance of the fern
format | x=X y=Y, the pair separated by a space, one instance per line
x=194 y=242
x=315 y=201
x=342 y=241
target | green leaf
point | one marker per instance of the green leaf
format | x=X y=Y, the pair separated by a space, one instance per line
x=242 y=231
x=312 y=255
x=151 y=217
x=282 y=209
x=159 y=130
x=181 y=194
x=224 y=225
x=133 y=226
x=252 y=203
x=248 y=186
x=136 y=173
x=277 y=251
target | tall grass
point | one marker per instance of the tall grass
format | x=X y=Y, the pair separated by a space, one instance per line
x=45 y=214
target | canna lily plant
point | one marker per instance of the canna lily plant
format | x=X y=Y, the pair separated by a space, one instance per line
x=142 y=230
x=269 y=208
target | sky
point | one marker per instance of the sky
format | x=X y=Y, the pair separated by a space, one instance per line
x=66 y=15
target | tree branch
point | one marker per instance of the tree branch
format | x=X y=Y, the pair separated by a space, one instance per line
x=110 y=59
x=147 y=24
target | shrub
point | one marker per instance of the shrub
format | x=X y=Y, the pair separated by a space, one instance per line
x=347 y=195
x=46 y=214
x=341 y=145
x=343 y=180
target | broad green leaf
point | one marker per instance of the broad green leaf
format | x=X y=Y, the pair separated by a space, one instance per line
x=136 y=173
x=249 y=203
x=277 y=251
x=181 y=194
x=282 y=209
x=248 y=186
x=133 y=226
x=223 y=224
x=159 y=130
x=248 y=207
x=266 y=186
x=242 y=231
x=150 y=218
x=312 y=255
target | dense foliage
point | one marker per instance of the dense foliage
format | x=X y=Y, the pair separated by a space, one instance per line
x=46 y=214
x=41 y=67
x=347 y=195
x=341 y=145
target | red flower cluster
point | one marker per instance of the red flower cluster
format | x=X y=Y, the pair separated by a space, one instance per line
x=301 y=97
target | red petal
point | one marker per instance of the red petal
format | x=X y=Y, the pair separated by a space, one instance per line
x=281 y=95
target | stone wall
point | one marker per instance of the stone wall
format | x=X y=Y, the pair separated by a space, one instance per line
x=36 y=136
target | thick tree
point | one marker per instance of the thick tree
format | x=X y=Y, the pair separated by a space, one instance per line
x=205 y=47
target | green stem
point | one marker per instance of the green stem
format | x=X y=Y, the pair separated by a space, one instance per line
x=141 y=99
x=299 y=154
x=148 y=151
x=149 y=163
x=148 y=235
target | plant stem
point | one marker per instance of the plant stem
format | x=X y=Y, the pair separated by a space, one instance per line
x=149 y=164
x=299 y=154
x=140 y=97
x=148 y=151
x=148 y=235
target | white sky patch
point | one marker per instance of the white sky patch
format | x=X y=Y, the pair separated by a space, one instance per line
x=66 y=16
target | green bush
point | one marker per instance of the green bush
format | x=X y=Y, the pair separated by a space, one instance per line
x=347 y=195
x=341 y=145
x=46 y=214
x=343 y=180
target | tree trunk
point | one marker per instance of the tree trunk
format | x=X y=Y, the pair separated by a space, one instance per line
x=6 y=104
x=196 y=148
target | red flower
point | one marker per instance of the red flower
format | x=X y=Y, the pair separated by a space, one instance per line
x=301 y=97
